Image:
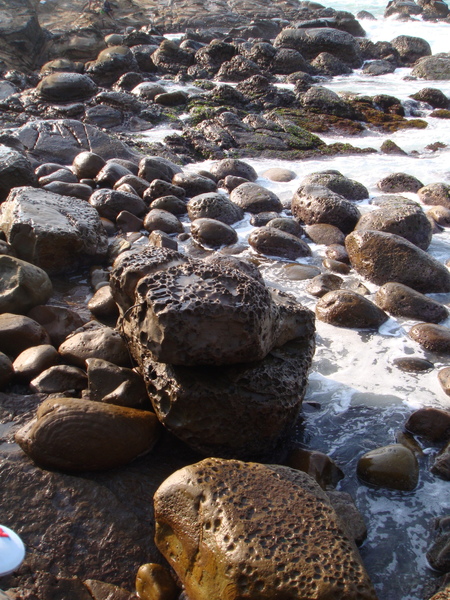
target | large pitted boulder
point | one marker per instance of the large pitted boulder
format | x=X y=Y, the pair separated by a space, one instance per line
x=65 y=87
x=310 y=42
x=383 y=257
x=15 y=170
x=70 y=434
x=61 y=140
x=402 y=217
x=214 y=206
x=235 y=167
x=435 y=194
x=211 y=316
x=190 y=312
x=398 y=183
x=313 y=204
x=22 y=285
x=57 y=233
x=215 y=514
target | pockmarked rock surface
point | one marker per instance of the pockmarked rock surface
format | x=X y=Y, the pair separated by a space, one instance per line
x=57 y=233
x=212 y=526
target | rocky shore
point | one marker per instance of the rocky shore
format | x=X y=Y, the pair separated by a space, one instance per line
x=151 y=380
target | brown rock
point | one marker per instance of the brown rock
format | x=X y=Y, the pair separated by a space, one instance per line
x=115 y=385
x=435 y=194
x=402 y=301
x=393 y=467
x=154 y=582
x=17 y=333
x=102 y=304
x=275 y=242
x=95 y=341
x=58 y=321
x=441 y=465
x=384 y=257
x=324 y=283
x=399 y=182
x=79 y=435
x=322 y=233
x=6 y=370
x=254 y=198
x=432 y=337
x=444 y=379
x=34 y=360
x=317 y=465
x=59 y=379
x=345 y=308
x=214 y=514
x=433 y=424
x=213 y=233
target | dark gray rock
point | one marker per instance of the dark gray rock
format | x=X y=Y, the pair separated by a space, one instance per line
x=254 y=198
x=214 y=206
x=64 y=87
x=275 y=242
x=345 y=308
x=213 y=233
x=402 y=301
x=15 y=171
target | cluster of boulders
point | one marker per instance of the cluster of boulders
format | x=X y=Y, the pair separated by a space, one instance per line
x=183 y=350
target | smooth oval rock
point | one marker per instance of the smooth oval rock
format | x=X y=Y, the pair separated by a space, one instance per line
x=384 y=257
x=59 y=379
x=17 y=333
x=80 y=435
x=34 y=360
x=63 y=87
x=94 y=341
x=234 y=167
x=402 y=301
x=22 y=285
x=435 y=338
x=213 y=233
x=253 y=198
x=393 y=467
x=275 y=242
x=154 y=582
x=433 y=424
x=346 y=308
x=162 y=220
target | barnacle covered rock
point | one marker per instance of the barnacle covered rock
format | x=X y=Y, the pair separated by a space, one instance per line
x=70 y=434
x=244 y=530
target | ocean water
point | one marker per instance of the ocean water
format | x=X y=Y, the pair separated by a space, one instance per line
x=357 y=399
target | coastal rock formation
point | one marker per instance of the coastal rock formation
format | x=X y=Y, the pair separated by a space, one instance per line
x=57 y=233
x=23 y=285
x=214 y=515
x=372 y=254
x=22 y=41
x=70 y=434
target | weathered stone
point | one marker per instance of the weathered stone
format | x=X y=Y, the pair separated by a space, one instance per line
x=115 y=385
x=432 y=96
x=350 y=516
x=273 y=241
x=64 y=87
x=57 y=233
x=314 y=204
x=345 y=308
x=102 y=304
x=159 y=188
x=156 y=167
x=433 y=424
x=154 y=582
x=86 y=165
x=435 y=338
x=109 y=203
x=171 y=204
x=310 y=42
x=79 y=435
x=372 y=255
x=324 y=283
x=110 y=64
x=162 y=220
x=435 y=193
x=214 y=206
x=440 y=215
x=411 y=48
x=404 y=218
x=317 y=465
x=254 y=198
x=94 y=341
x=213 y=233
x=394 y=467
x=58 y=321
x=59 y=379
x=286 y=224
x=110 y=174
x=193 y=505
x=15 y=170
x=212 y=313
x=433 y=68
x=22 y=41
x=411 y=364
x=323 y=233
x=444 y=379
x=299 y=272
x=399 y=182
x=6 y=370
x=194 y=184
x=17 y=333
x=438 y=555
x=235 y=167
x=34 y=360
x=338 y=183
x=22 y=285
x=63 y=139
x=441 y=465
x=402 y=301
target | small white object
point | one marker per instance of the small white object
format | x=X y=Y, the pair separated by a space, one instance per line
x=12 y=551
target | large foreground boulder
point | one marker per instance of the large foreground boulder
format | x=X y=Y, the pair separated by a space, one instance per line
x=245 y=530
x=382 y=257
x=57 y=233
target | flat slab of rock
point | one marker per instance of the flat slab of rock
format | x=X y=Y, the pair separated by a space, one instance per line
x=57 y=233
x=257 y=531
